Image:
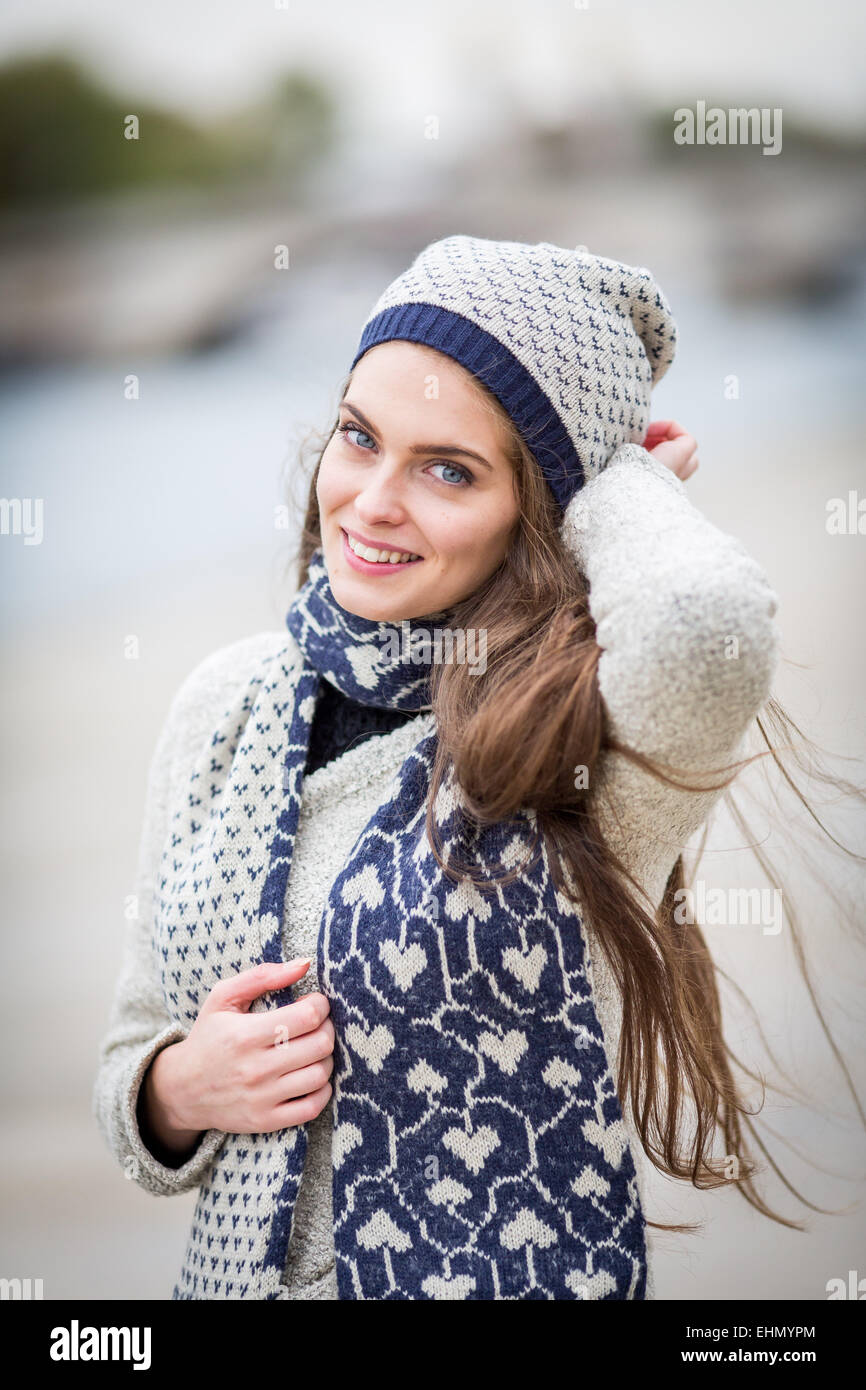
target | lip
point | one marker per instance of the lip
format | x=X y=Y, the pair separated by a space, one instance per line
x=370 y=566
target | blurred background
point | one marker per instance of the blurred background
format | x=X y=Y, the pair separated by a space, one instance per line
x=161 y=361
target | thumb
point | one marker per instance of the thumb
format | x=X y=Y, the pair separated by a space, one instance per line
x=239 y=991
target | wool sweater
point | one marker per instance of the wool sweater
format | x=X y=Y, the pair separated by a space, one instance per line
x=340 y=723
x=685 y=622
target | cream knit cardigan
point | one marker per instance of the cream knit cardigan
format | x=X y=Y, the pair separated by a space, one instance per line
x=685 y=620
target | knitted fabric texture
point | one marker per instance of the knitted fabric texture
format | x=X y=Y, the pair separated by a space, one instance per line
x=340 y=723
x=479 y=1150
x=666 y=590
x=570 y=343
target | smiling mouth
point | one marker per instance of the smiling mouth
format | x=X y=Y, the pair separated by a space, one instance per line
x=377 y=556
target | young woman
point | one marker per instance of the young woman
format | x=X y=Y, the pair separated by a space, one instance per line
x=448 y=806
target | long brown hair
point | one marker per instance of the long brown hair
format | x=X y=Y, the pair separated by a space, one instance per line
x=513 y=735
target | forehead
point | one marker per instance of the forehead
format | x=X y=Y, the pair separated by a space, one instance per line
x=417 y=386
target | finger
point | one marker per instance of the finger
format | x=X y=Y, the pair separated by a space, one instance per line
x=300 y=1111
x=239 y=991
x=660 y=430
x=290 y=1053
x=680 y=450
x=673 y=454
x=303 y=1015
x=297 y=1083
x=656 y=432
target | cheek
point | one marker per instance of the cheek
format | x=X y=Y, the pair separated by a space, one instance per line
x=475 y=541
x=330 y=484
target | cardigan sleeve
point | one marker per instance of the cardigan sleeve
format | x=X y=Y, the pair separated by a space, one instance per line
x=139 y=1024
x=689 y=646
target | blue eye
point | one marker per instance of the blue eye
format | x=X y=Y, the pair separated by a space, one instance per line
x=463 y=474
x=462 y=478
x=344 y=430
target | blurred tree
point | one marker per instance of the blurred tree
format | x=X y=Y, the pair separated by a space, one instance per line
x=290 y=129
x=62 y=136
x=303 y=122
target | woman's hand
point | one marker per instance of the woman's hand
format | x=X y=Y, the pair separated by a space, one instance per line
x=673 y=446
x=242 y=1072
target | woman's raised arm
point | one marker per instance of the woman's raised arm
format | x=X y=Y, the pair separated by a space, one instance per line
x=685 y=620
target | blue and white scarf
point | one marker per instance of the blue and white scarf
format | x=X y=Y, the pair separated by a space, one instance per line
x=479 y=1150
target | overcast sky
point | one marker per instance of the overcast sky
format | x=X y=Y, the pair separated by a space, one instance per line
x=398 y=60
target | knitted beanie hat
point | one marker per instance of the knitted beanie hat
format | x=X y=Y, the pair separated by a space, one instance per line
x=570 y=344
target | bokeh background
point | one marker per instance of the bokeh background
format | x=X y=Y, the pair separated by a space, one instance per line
x=353 y=134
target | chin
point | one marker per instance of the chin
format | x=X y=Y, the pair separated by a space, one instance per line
x=355 y=600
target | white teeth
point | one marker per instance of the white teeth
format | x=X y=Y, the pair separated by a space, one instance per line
x=381 y=557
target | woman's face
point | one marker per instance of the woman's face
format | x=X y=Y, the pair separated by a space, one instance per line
x=415 y=468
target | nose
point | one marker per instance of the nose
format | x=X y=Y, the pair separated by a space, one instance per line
x=382 y=498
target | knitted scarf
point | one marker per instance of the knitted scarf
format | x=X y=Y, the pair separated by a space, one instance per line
x=478 y=1146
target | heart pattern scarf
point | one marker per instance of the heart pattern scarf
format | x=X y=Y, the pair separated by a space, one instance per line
x=479 y=1150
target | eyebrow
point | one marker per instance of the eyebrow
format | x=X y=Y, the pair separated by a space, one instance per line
x=419 y=448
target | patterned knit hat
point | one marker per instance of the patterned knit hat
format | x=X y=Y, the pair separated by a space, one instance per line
x=571 y=344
